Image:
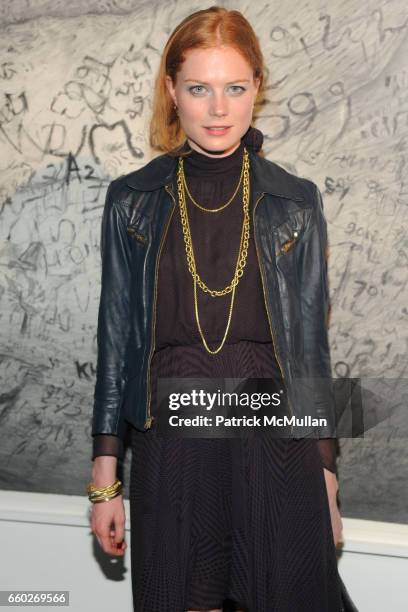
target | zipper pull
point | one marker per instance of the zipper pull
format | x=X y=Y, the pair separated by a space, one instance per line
x=148 y=422
x=140 y=237
x=286 y=246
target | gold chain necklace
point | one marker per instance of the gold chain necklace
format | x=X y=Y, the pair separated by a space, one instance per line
x=242 y=254
x=214 y=210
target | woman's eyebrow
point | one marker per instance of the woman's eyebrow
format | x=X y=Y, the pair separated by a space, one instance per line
x=229 y=83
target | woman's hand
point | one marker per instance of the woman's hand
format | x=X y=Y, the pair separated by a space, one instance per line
x=108 y=524
x=332 y=487
x=108 y=517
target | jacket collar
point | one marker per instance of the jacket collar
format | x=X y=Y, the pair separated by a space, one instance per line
x=267 y=176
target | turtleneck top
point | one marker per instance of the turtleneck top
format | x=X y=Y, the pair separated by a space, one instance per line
x=248 y=351
x=216 y=240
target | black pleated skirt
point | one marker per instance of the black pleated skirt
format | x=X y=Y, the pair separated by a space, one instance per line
x=244 y=521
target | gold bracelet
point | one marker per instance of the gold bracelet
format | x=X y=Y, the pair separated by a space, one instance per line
x=105 y=498
x=96 y=494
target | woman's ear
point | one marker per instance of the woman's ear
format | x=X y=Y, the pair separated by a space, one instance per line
x=170 y=88
x=257 y=83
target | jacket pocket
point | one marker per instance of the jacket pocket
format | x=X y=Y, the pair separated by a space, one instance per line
x=133 y=231
x=137 y=228
x=286 y=238
x=288 y=234
x=289 y=244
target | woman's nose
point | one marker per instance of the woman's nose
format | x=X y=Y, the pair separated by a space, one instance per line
x=218 y=106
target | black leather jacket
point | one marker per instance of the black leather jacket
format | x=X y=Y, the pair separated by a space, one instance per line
x=290 y=233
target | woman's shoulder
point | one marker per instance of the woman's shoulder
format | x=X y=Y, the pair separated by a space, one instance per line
x=280 y=178
x=126 y=193
x=152 y=175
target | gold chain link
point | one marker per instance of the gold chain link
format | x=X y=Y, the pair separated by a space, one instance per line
x=243 y=248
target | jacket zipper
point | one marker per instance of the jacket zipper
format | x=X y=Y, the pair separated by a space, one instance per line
x=266 y=306
x=149 y=420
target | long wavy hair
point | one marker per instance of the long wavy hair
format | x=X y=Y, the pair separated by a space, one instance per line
x=203 y=29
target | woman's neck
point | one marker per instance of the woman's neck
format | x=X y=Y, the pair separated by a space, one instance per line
x=199 y=164
x=215 y=154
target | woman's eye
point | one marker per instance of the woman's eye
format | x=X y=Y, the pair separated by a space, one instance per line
x=195 y=87
x=237 y=88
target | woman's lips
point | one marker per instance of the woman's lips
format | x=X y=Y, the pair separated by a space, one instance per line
x=217 y=132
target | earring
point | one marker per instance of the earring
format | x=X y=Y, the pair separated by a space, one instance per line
x=176 y=109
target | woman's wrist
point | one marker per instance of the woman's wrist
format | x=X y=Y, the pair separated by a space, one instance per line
x=104 y=470
x=332 y=485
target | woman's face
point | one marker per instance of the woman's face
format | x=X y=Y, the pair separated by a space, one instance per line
x=214 y=88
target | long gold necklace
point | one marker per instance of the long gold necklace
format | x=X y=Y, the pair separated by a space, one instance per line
x=242 y=254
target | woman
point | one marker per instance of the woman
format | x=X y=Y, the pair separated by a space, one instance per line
x=249 y=521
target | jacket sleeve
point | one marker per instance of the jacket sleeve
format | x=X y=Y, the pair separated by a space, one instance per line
x=112 y=330
x=315 y=306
